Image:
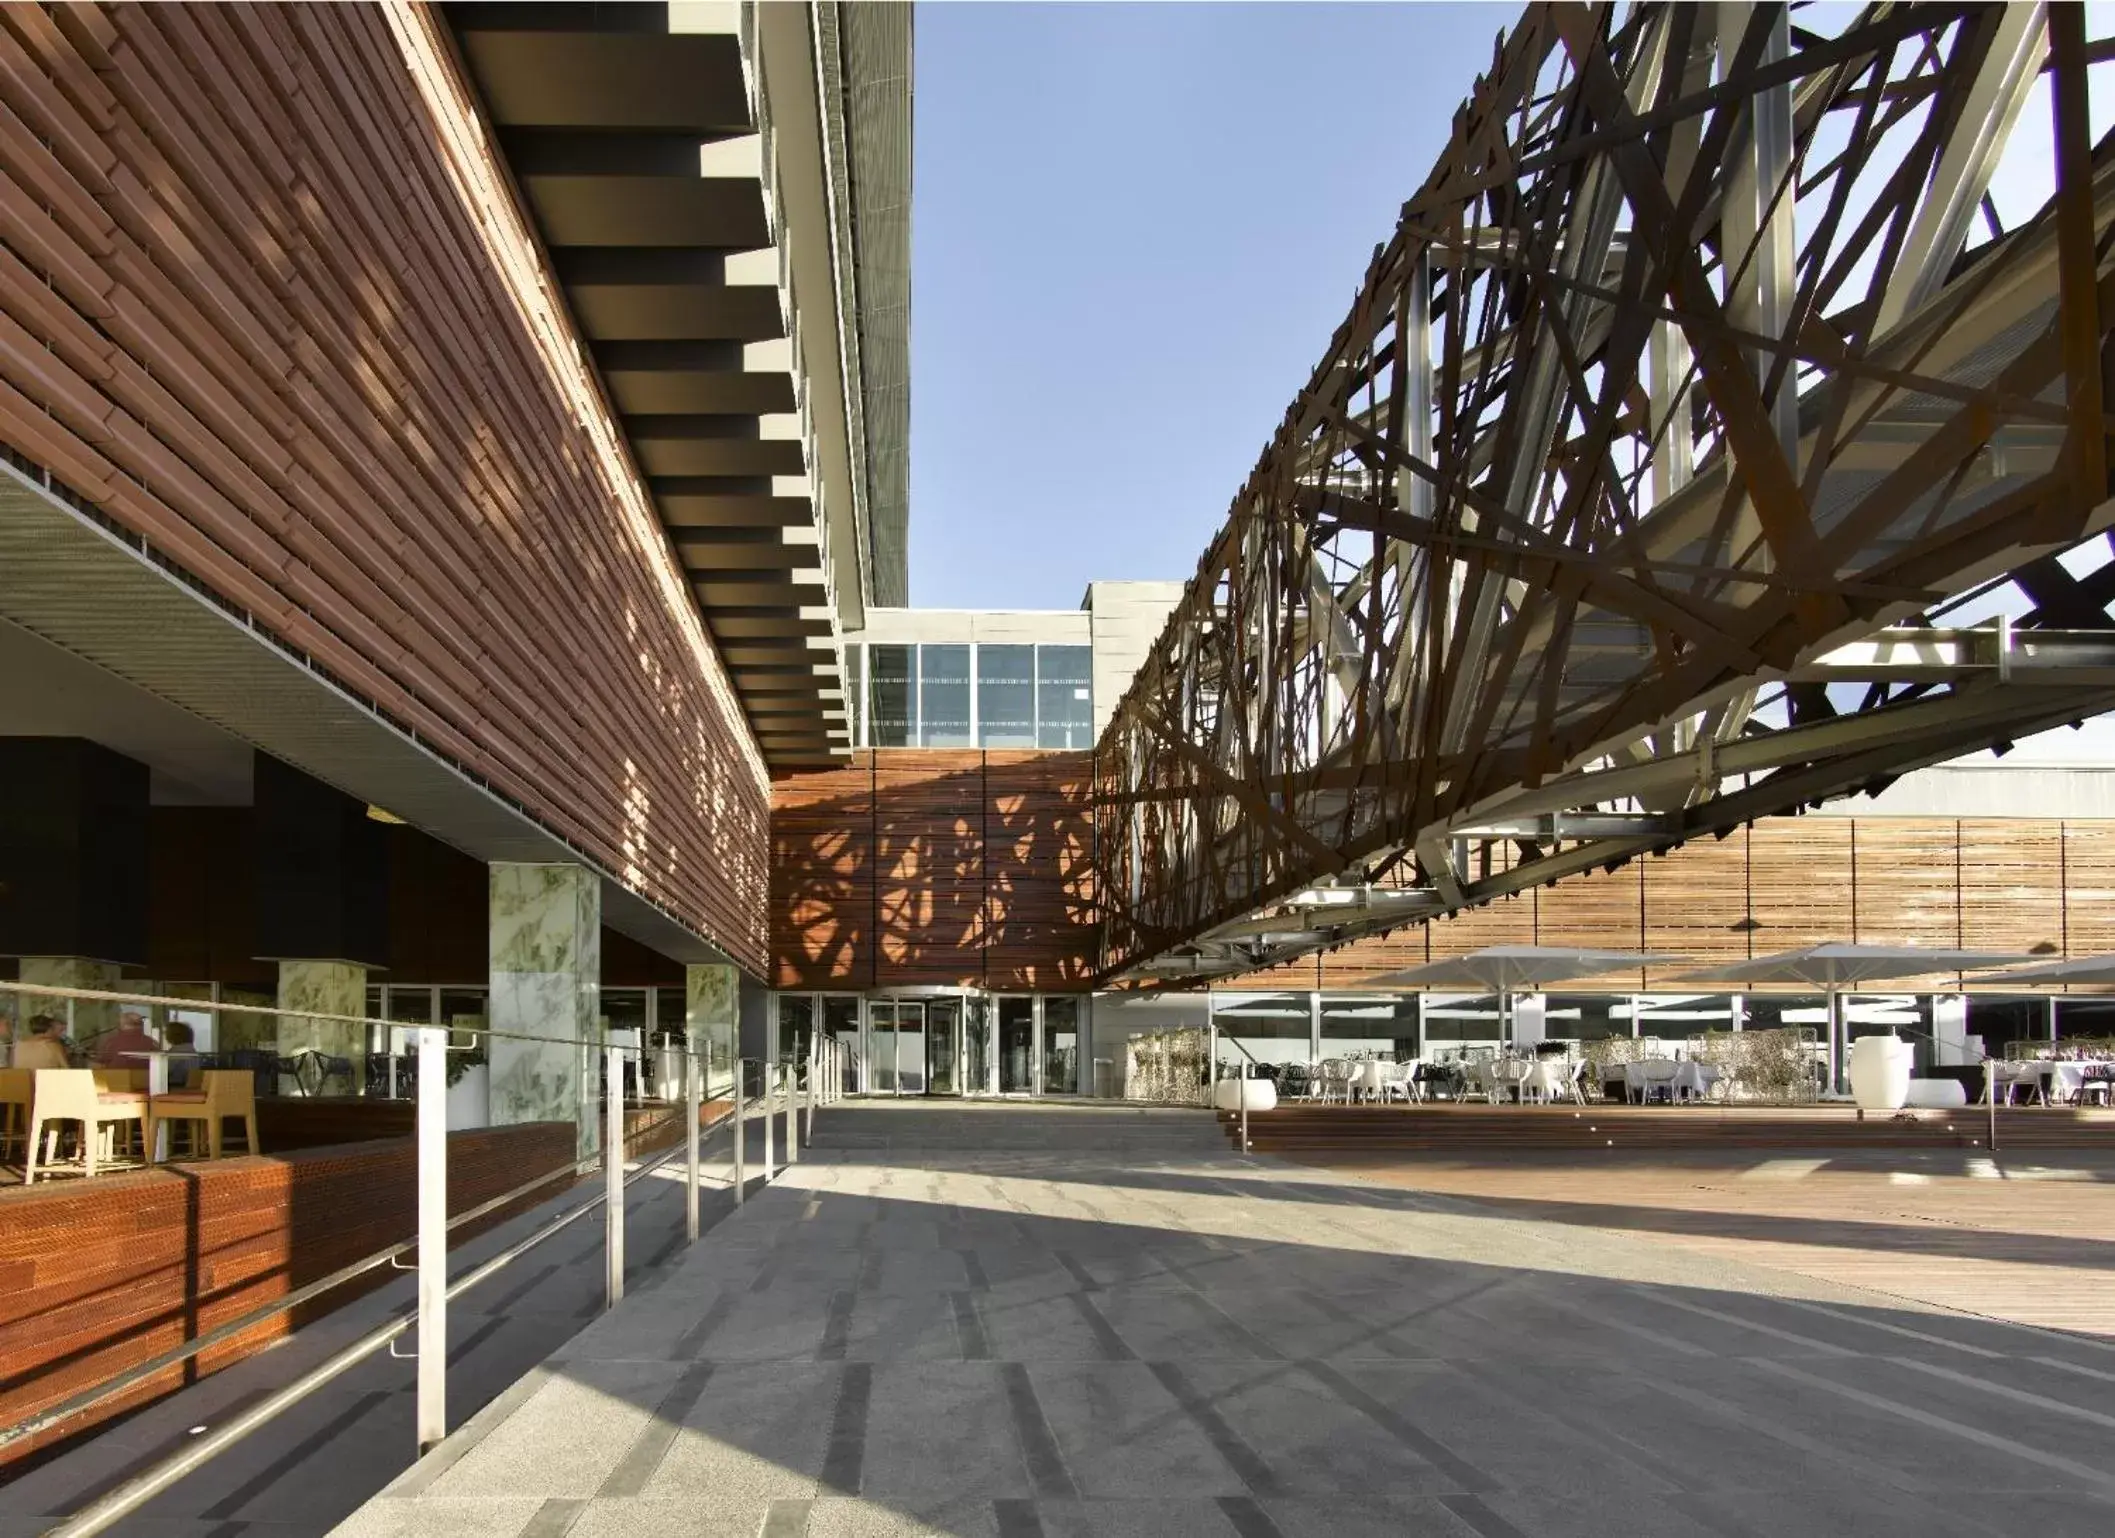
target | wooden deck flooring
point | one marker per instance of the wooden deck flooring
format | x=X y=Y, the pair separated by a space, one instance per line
x=2024 y=1236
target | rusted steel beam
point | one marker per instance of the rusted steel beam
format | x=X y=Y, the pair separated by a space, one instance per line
x=1426 y=601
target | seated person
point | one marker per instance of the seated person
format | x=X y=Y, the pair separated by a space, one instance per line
x=46 y=1047
x=184 y=1064
x=116 y=1049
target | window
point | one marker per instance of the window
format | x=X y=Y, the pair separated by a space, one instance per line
x=1457 y=1022
x=1999 y=1021
x=1006 y=696
x=1585 y=1017
x=1064 y=696
x=1274 y=1028
x=1679 y=1016
x=943 y=697
x=891 y=696
x=1384 y=1026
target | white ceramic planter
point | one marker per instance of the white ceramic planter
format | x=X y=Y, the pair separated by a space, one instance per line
x=1936 y=1094
x=1261 y=1094
x=469 y=1099
x=1880 y=1067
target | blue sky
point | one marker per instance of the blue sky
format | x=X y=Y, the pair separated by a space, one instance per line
x=1134 y=229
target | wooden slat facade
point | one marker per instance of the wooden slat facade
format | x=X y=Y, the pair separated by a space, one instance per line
x=963 y=867
x=942 y=866
x=268 y=305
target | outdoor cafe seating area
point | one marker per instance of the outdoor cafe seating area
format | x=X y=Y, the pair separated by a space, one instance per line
x=1892 y=1053
x=92 y=1120
x=1558 y=1072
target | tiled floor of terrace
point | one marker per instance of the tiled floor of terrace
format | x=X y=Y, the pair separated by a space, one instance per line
x=1061 y=1321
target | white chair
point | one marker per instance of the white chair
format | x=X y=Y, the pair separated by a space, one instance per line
x=70 y=1095
x=1654 y=1073
x=1336 y=1081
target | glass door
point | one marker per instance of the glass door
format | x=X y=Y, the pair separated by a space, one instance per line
x=1017 y=1046
x=943 y=1047
x=881 y=1047
x=1061 y=1045
x=976 y=1047
x=910 y=1049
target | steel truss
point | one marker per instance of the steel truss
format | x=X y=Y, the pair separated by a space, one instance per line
x=1701 y=357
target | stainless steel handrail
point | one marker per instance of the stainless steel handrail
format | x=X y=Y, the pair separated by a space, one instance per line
x=137 y=1491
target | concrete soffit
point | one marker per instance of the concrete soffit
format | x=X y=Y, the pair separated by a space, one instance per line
x=75 y=581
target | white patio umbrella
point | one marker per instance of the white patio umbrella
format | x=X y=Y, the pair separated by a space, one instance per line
x=1833 y=968
x=1504 y=969
x=2079 y=969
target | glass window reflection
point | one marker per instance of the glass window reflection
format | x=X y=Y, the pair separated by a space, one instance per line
x=890 y=696
x=943 y=697
x=1064 y=696
x=1006 y=696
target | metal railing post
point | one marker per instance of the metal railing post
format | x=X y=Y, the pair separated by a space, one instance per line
x=1990 y=1094
x=692 y=1105
x=764 y=1092
x=432 y=1411
x=613 y=1177
x=808 y=1127
x=786 y=1076
x=741 y=1136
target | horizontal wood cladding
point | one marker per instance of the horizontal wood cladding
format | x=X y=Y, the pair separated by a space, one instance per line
x=934 y=867
x=2013 y=885
x=974 y=868
x=254 y=312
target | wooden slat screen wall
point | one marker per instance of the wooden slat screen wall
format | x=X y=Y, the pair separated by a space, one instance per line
x=941 y=866
x=1989 y=884
x=252 y=312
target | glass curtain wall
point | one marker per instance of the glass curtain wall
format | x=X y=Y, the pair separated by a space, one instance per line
x=892 y=689
x=1585 y=1017
x=943 y=698
x=1458 y=1023
x=1382 y=1026
x=1064 y=697
x=963 y=695
x=1006 y=696
x=1273 y=1030
x=1679 y=1016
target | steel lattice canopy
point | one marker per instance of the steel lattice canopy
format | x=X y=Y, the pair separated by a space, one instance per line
x=1643 y=491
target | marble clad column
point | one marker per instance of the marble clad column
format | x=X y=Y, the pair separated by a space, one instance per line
x=311 y=988
x=546 y=983
x=91 y=1018
x=712 y=1014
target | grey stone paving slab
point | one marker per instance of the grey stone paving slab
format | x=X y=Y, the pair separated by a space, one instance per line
x=1020 y=1321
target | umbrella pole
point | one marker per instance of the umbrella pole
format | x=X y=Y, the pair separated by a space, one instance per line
x=1836 y=1045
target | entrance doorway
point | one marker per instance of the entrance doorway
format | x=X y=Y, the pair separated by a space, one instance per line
x=915 y=1046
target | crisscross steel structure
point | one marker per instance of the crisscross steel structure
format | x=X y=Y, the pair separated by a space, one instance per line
x=1698 y=404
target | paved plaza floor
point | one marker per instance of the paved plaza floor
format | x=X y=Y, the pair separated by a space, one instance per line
x=1020 y=1321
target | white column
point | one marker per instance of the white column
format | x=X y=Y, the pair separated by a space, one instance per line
x=546 y=957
